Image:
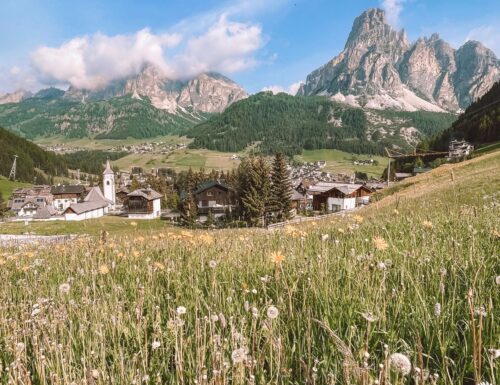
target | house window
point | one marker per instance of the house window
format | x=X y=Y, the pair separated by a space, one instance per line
x=210 y=193
x=107 y=182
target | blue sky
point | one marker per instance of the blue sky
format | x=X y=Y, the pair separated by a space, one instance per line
x=255 y=42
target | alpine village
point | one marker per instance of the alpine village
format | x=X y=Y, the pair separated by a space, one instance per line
x=160 y=224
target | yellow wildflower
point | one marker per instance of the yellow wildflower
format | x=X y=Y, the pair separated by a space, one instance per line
x=103 y=269
x=277 y=257
x=358 y=219
x=380 y=243
x=159 y=266
x=428 y=224
x=395 y=211
x=134 y=224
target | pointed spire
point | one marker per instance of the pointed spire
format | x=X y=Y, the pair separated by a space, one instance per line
x=108 y=170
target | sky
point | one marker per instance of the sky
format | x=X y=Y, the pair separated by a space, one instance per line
x=260 y=44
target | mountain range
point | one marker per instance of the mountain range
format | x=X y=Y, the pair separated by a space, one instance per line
x=378 y=70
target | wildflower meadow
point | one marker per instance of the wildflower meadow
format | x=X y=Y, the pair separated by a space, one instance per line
x=406 y=291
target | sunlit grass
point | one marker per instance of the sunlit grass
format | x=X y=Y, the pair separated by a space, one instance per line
x=322 y=303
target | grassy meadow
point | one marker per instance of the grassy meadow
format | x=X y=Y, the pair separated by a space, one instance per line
x=341 y=162
x=406 y=291
x=7 y=186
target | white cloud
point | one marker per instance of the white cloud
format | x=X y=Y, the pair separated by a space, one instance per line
x=226 y=47
x=291 y=89
x=489 y=35
x=392 y=9
x=93 y=61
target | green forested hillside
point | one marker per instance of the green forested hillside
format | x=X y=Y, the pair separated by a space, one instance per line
x=117 y=118
x=31 y=157
x=479 y=124
x=283 y=123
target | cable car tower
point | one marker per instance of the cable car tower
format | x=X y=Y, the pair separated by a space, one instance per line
x=13 y=169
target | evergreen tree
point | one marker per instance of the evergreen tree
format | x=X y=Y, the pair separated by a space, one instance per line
x=254 y=189
x=188 y=206
x=281 y=191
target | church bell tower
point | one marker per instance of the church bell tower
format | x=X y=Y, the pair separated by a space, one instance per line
x=108 y=182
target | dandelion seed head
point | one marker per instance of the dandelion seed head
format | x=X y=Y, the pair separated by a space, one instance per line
x=155 y=345
x=272 y=312
x=181 y=310
x=400 y=363
x=239 y=355
x=64 y=288
x=494 y=353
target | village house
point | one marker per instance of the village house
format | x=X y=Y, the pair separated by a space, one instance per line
x=144 y=203
x=339 y=196
x=299 y=201
x=25 y=201
x=459 y=149
x=66 y=195
x=213 y=197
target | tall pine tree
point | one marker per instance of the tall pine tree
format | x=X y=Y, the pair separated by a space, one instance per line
x=254 y=189
x=281 y=188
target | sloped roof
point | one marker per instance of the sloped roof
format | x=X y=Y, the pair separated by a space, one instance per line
x=296 y=196
x=146 y=193
x=327 y=186
x=80 y=208
x=45 y=212
x=95 y=195
x=67 y=189
x=209 y=184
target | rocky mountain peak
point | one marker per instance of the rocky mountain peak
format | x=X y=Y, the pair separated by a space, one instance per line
x=380 y=69
x=15 y=97
x=371 y=29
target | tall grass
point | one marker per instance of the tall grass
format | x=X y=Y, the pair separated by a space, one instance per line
x=323 y=303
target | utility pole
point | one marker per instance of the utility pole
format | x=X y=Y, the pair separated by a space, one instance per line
x=13 y=169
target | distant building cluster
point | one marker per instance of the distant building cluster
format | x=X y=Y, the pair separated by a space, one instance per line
x=460 y=149
x=78 y=202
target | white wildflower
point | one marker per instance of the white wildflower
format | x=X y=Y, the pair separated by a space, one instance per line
x=181 y=310
x=497 y=280
x=272 y=312
x=437 y=309
x=64 y=288
x=155 y=345
x=494 y=353
x=212 y=264
x=400 y=363
x=239 y=355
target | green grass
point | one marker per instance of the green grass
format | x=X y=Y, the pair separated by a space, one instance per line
x=487 y=148
x=179 y=160
x=119 y=317
x=113 y=225
x=341 y=162
x=7 y=186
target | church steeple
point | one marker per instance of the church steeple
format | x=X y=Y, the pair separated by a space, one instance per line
x=108 y=182
x=108 y=170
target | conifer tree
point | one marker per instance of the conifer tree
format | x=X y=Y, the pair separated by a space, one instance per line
x=254 y=189
x=281 y=190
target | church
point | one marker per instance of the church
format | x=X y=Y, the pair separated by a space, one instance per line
x=96 y=203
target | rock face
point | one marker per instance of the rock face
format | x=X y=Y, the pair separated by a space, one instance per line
x=208 y=92
x=379 y=68
x=14 y=97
